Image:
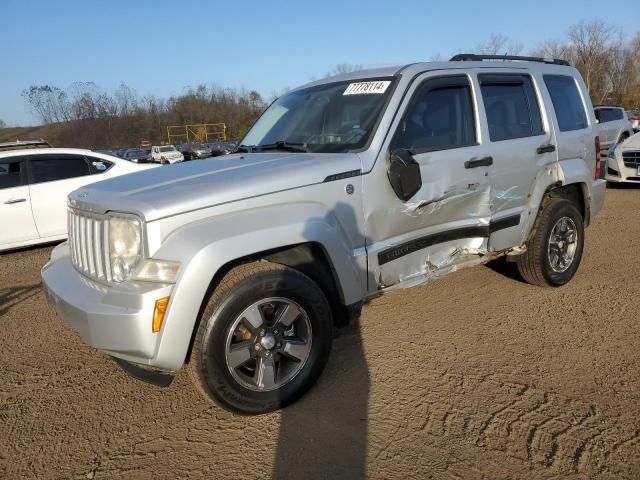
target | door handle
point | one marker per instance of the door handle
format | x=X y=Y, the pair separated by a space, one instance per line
x=478 y=162
x=546 y=148
x=11 y=201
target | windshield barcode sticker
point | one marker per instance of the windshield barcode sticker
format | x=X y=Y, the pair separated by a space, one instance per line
x=363 y=88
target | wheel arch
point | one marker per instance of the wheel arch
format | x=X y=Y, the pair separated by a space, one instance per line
x=307 y=239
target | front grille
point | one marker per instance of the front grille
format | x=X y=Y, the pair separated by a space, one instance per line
x=631 y=158
x=88 y=242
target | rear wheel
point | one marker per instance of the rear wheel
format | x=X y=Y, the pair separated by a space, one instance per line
x=263 y=339
x=555 y=249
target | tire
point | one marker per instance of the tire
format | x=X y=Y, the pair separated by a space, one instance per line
x=535 y=265
x=224 y=327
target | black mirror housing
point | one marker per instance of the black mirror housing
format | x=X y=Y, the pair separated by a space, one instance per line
x=404 y=174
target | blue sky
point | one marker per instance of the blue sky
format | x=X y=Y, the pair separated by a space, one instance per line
x=261 y=45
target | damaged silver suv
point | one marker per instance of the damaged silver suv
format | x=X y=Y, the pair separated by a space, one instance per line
x=343 y=189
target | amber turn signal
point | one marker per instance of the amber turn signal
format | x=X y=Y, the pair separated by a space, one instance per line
x=158 y=313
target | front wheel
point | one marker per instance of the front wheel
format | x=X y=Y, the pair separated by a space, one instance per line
x=555 y=249
x=263 y=339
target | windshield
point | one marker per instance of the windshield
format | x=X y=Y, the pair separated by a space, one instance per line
x=169 y=148
x=333 y=117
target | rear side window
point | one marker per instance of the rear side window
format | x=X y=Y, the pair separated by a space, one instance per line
x=511 y=105
x=439 y=117
x=11 y=172
x=59 y=167
x=99 y=165
x=605 y=115
x=567 y=103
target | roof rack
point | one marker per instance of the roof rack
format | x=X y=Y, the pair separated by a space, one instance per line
x=472 y=57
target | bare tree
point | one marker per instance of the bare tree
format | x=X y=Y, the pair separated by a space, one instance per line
x=590 y=42
x=3 y=124
x=51 y=104
x=555 y=49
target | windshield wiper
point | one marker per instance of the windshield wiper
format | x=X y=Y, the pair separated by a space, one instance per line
x=282 y=145
x=279 y=145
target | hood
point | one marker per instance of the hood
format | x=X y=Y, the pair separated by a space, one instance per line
x=174 y=189
x=632 y=143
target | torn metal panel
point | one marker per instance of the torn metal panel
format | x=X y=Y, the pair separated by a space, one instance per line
x=455 y=195
x=431 y=263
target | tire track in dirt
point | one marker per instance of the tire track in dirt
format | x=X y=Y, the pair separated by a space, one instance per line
x=541 y=429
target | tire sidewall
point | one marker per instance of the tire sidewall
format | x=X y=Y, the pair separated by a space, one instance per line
x=215 y=376
x=557 y=211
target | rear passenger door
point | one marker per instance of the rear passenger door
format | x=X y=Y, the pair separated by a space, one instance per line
x=16 y=219
x=521 y=144
x=52 y=177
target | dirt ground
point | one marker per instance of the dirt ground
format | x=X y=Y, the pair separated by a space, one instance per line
x=478 y=376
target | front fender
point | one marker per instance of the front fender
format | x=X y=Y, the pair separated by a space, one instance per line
x=203 y=247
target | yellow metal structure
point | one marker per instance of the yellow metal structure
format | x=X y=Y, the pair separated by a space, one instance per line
x=203 y=132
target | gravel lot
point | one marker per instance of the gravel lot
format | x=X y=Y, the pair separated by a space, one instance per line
x=476 y=376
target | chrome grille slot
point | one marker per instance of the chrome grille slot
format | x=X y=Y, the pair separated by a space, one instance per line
x=88 y=243
x=631 y=158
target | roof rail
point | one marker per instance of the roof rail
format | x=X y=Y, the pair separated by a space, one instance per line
x=472 y=57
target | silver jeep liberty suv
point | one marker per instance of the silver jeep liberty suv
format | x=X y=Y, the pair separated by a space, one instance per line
x=343 y=189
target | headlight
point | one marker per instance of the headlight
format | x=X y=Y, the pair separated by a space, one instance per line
x=125 y=246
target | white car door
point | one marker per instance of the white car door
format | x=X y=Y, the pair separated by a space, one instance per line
x=52 y=178
x=17 y=226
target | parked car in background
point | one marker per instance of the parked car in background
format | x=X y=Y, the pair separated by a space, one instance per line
x=613 y=125
x=222 y=148
x=634 y=118
x=24 y=145
x=166 y=154
x=119 y=152
x=623 y=162
x=194 y=151
x=34 y=185
x=138 y=155
x=345 y=188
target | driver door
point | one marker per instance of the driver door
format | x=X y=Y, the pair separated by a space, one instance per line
x=445 y=224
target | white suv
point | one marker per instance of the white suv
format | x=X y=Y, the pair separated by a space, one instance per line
x=166 y=154
x=613 y=125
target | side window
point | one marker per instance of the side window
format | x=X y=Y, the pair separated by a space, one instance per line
x=99 y=165
x=606 y=115
x=567 y=103
x=439 y=117
x=50 y=168
x=511 y=105
x=11 y=170
x=618 y=114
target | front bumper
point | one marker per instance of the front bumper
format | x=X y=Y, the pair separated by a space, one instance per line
x=114 y=319
x=617 y=172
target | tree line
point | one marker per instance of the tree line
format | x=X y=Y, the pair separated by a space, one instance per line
x=83 y=115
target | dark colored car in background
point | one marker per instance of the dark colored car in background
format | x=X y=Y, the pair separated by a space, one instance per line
x=222 y=148
x=194 y=151
x=137 y=155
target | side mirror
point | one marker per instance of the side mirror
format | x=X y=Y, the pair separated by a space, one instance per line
x=404 y=174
